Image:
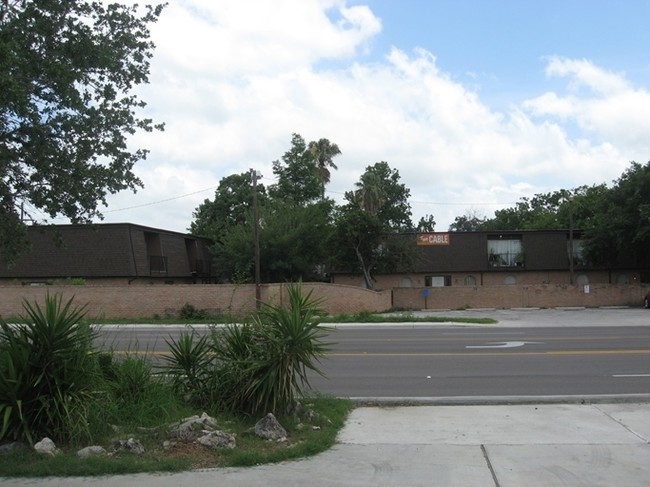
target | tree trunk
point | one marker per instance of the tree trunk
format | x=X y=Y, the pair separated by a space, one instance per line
x=365 y=270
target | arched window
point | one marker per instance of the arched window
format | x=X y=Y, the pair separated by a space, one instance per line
x=470 y=281
x=622 y=279
x=582 y=280
x=406 y=282
x=510 y=280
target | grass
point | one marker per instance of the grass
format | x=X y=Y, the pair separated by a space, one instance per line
x=406 y=318
x=97 y=398
x=363 y=317
x=304 y=438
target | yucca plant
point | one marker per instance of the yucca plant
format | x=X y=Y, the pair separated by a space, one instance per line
x=47 y=369
x=190 y=366
x=273 y=355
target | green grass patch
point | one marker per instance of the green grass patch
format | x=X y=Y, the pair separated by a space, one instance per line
x=363 y=317
x=405 y=318
x=305 y=437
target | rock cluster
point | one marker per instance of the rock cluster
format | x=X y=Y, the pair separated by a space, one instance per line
x=202 y=429
x=269 y=428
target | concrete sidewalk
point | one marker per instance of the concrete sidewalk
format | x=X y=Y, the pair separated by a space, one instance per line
x=475 y=446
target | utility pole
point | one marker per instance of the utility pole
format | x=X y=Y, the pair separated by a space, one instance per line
x=571 y=239
x=256 y=238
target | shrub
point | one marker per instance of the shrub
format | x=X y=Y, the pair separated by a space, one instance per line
x=135 y=395
x=266 y=362
x=47 y=370
x=190 y=312
x=257 y=367
x=191 y=367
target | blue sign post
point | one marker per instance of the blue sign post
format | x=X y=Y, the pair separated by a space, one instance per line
x=425 y=293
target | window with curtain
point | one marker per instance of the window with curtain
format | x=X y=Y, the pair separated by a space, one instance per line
x=505 y=252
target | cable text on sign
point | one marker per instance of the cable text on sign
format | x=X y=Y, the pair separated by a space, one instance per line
x=433 y=239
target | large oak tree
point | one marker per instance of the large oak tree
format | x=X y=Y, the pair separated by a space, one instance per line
x=67 y=106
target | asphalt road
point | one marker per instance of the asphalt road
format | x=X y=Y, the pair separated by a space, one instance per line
x=448 y=361
x=567 y=352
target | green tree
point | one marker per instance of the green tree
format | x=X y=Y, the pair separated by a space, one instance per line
x=294 y=222
x=297 y=175
x=323 y=152
x=67 y=74
x=232 y=204
x=469 y=222
x=365 y=227
x=619 y=222
x=294 y=241
x=234 y=253
x=549 y=211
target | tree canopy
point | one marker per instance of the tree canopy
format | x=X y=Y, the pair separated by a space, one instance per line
x=294 y=221
x=67 y=73
x=375 y=210
x=304 y=235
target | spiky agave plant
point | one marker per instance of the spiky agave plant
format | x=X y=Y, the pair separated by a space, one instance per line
x=285 y=343
x=47 y=368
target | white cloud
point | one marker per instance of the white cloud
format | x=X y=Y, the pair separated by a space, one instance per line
x=233 y=80
x=609 y=110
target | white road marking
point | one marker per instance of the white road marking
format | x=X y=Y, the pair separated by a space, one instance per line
x=502 y=345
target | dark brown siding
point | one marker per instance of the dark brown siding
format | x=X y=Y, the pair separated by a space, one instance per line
x=105 y=250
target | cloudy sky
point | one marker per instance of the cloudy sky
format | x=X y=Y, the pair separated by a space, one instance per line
x=477 y=103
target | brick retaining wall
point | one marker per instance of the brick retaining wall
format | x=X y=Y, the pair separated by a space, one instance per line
x=536 y=296
x=161 y=300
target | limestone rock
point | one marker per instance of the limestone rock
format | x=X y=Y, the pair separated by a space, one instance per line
x=269 y=428
x=91 y=451
x=131 y=445
x=193 y=427
x=217 y=439
x=46 y=447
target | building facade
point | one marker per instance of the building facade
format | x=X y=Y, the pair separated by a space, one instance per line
x=502 y=258
x=113 y=253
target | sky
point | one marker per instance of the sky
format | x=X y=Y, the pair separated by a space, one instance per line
x=477 y=103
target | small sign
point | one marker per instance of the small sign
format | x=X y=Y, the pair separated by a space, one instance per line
x=433 y=238
x=425 y=292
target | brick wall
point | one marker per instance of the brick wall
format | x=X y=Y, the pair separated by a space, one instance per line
x=149 y=301
x=537 y=296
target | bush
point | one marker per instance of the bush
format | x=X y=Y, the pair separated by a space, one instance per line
x=47 y=371
x=190 y=312
x=135 y=395
x=266 y=362
x=191 y=368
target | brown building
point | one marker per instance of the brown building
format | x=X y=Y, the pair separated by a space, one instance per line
x=502 y=258
x=113 y=253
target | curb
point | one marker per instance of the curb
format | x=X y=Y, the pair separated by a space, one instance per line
x=500 y=400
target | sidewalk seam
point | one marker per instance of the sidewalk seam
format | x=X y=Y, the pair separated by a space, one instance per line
x=638 y=435
x=489 y=464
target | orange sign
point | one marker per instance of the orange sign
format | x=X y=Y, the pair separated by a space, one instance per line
x=433 y=239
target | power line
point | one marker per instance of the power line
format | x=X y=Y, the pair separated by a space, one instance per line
x=161 y=201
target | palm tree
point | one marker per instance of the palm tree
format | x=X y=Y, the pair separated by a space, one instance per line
x=323 y=152
x=369 y=194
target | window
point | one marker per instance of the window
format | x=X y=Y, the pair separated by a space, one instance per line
x=582 y=280
x=469 y=281
x=622 y=279
x=406 y=282
x=505 y=251
x=437 y=281
x=578 y=251
x=510 y=280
